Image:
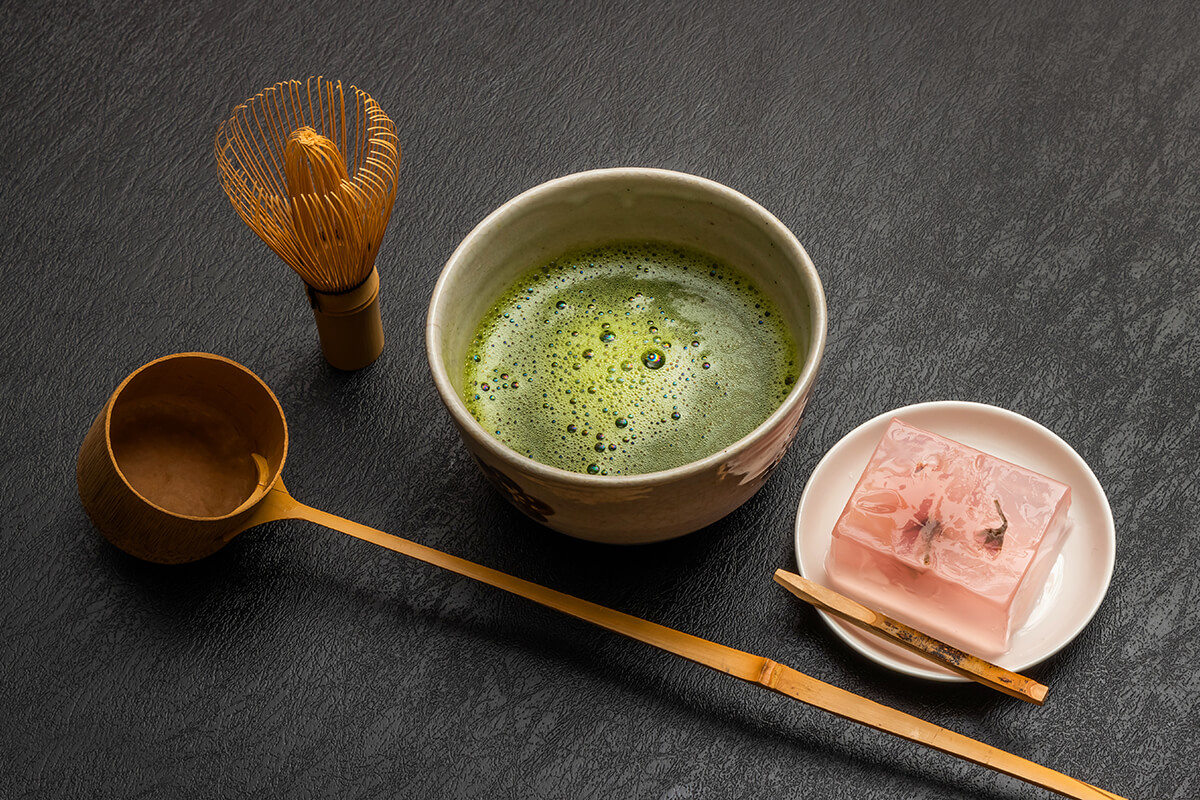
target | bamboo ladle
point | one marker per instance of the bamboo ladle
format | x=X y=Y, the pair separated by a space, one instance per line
x=187 y=453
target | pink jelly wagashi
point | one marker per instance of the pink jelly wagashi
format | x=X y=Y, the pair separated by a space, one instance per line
x=948 y=539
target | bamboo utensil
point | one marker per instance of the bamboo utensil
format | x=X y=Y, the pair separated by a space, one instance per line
x=924 y=645
x=316 y=181
x=188 y=452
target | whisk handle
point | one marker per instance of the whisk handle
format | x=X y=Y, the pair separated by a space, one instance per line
x=349 y=323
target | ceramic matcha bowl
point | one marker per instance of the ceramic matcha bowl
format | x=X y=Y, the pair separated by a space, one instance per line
x=599 y=207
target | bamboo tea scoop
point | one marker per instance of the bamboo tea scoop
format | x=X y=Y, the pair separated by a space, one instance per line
x=924 y=645
x=188 y=451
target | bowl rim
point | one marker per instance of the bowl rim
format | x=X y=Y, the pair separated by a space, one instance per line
x=457 y=264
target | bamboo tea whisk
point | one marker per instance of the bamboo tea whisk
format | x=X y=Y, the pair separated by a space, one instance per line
x=316 y=181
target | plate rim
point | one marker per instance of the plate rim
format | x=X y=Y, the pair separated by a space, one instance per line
x=1106 y=537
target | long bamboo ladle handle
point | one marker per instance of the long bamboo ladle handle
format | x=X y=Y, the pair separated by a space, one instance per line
x=924 y=645
x=278 y=504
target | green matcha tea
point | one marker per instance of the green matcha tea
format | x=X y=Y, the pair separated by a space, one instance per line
x=628 y=358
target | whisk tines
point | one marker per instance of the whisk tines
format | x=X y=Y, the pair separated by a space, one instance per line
x=314 y=176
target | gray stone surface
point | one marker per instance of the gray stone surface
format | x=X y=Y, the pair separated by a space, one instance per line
x=1001 y=199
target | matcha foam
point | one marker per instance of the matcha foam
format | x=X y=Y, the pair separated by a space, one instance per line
x=628 y=358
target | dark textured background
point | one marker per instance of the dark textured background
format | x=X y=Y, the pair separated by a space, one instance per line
x=1001 y=199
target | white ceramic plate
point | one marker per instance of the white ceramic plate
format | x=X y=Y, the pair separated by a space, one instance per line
x=1080 y=576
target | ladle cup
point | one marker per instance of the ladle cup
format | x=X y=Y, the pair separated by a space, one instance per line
x=188 y=451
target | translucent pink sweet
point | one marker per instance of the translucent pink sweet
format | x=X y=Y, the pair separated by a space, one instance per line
x=948 y=539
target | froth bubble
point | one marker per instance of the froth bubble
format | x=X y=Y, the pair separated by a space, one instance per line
x=653 y=359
